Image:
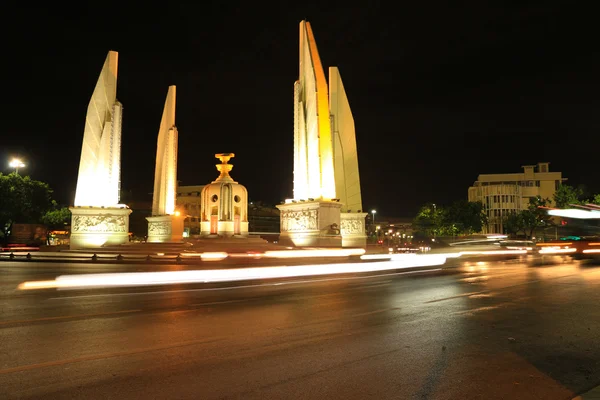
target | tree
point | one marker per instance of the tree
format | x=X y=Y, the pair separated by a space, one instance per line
x=596 y=199
x=514 y=223
x=55 y=218
x=566 y=195
x=22 y=200
x=464 y=217
x=429 y=220
x=536 y=216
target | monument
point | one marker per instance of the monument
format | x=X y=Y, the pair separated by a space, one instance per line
x=326 y=209
x=97 y=218
x=224 y=204
x=166 y=224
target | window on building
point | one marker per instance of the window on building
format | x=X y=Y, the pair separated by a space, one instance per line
x=537 y=183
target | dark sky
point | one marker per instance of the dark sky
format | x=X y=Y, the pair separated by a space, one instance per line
x=440 y=91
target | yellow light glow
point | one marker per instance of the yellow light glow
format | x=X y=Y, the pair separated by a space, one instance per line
x=325 y=142
x=314 y=253
x=177 y=213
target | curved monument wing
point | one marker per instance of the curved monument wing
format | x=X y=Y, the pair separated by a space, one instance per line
x=100 y=164
x=347 y=179
x=313 y=178
x=165 y=175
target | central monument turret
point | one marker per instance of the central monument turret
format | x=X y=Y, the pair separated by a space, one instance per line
x=224 y=204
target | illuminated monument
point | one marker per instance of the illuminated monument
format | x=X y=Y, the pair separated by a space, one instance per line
x=224 y=204
x=166 y=224
x=327 y=208
x=97 y=217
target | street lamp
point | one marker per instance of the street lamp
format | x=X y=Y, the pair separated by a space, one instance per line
x=373 y=212
x=16 y=164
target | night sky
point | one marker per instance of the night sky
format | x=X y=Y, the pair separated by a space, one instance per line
x=440 y=91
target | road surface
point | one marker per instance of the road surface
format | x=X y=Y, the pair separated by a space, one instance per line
x=501 y=330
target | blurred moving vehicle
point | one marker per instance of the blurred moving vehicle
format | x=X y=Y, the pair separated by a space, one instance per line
x=578 y=247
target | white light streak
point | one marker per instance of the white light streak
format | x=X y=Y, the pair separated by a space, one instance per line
x=556 y=250
x=228 y=275
x=575 y=213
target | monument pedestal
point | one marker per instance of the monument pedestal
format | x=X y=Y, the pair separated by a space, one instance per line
x=165 y=228
x=97 y=226
x=353 y=230
x=310 y=224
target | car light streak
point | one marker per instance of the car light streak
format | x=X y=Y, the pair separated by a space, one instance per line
x=226 y=275
x=493 y=252
x=557 y=251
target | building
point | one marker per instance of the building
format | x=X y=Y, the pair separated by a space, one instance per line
x=188 y=203
x=505 y=194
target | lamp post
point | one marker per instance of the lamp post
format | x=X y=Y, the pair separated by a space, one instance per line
x=16 y=164
x=373 y=212
x=434 y=220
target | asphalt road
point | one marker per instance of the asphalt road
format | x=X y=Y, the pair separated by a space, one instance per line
x=479 y=331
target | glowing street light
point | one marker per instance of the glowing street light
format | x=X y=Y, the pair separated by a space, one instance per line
x=16 y=164
x=374 y=227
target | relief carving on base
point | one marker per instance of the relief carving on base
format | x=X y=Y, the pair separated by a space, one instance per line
x=304 y=220
x=352 y=226
x=159 y=228
x=98 y=223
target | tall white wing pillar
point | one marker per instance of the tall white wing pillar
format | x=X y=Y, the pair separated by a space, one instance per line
x=100 y=164
x=347 y=179
x=165 y=175
x=326 y=208
x=313 y=150
x=166 y=224
x=97 y=218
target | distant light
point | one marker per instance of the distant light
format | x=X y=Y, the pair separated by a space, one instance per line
x=16 y=163
x=177 y=213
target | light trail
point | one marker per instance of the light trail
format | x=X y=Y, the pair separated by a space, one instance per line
x=125 y=279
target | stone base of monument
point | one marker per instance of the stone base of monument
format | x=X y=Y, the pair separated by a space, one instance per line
x=165 y=228
x=353 y=230
x=310 y=224
x=99 y=226
x=223 y=229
